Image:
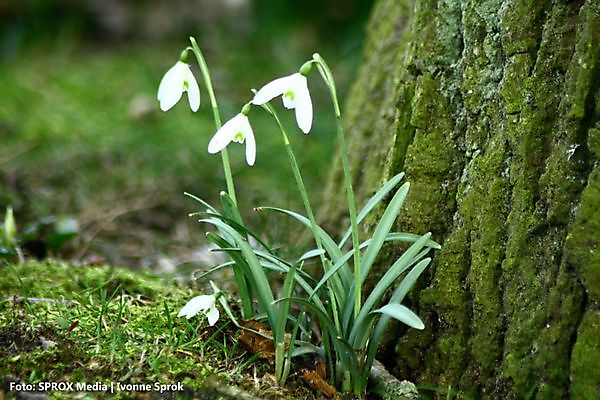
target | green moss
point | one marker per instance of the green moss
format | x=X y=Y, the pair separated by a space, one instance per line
x=585 y=378
x=583 y=243
x=593 y=141
x=522 y=26
x=494 y=140
x=516 y=71
x=105 y=324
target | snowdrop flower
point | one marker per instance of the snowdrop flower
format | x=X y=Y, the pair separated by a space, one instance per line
x=293 y=89
x=178 y=79
x=238 y=130
x=205 y=304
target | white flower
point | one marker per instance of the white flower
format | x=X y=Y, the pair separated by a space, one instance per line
x=237 y=129
x=294 y=91
x=205 y=304
x=178 y=79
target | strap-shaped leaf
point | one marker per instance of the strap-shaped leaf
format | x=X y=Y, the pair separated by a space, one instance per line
x=328 y=243
x=383 y=228
x=256 y=274
x=397 y=297
x=230 y=208
x=410 y=257
x=402 y=314
x=310 y=254
x=241 y=229
x=372 y=202
x=199 y=200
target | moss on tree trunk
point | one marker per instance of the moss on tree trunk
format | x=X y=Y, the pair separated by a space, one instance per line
x=492 y=108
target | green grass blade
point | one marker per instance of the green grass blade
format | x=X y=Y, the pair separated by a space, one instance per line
x=372 y=202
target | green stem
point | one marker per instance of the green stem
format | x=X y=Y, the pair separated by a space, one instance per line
x=329 y=81
x=307 y=206
x=216 y=115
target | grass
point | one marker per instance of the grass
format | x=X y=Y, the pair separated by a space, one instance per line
x=69 y=323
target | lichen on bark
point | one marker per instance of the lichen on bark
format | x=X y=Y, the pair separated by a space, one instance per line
x=492 y=109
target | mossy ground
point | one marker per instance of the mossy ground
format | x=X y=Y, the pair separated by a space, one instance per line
x=69 y=323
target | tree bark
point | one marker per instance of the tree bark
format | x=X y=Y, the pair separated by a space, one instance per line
x=492 y=108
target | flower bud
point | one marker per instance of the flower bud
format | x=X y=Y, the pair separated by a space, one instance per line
x=306 y=68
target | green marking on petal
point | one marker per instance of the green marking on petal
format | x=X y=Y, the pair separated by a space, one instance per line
x=186 y=85
x=239 y=137
x=290 y=95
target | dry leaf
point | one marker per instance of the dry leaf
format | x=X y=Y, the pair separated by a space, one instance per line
x=314 y=379
x=256 y=343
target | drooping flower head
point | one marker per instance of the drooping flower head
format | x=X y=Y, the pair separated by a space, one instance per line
x=238 y=130
x=205 y=304
x=178 y=79
x=293 y=89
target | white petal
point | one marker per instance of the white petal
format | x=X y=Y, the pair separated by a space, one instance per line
x=193 y=90
x=212 y=315
x=225 y=134
x=273 y=89
x=289 y=103
x=304 y=109
x=250 y=144
x=197 y=304
x=170 y=88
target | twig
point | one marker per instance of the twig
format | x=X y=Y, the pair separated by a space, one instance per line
x=388 y=387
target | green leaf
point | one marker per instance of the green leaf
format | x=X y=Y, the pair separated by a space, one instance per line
x=397 y=297
x=394 y=236
x=199 y=200
x=215 y=269
x=230 y=208
x=241 y=229
x=411 y=255
x=328 y=243
x=402 y=314
x=256 y=274
x=9 y=227
x=239 y=272
x=310 y=254
x=284 y=308
x=64 y=229
x=373 y=201
x=383 y=228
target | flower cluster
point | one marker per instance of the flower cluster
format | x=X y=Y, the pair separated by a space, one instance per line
x=351 y=325
x=293 y=90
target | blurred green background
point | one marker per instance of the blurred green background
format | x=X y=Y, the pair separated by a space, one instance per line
x=84 y=144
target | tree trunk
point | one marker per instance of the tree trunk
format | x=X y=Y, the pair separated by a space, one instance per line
x=492 y=108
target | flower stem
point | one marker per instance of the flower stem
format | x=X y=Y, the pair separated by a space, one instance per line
x=307 y=207
x=329 y=81
x=216 y=115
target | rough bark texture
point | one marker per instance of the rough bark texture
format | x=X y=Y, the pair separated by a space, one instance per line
x=492 y=108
